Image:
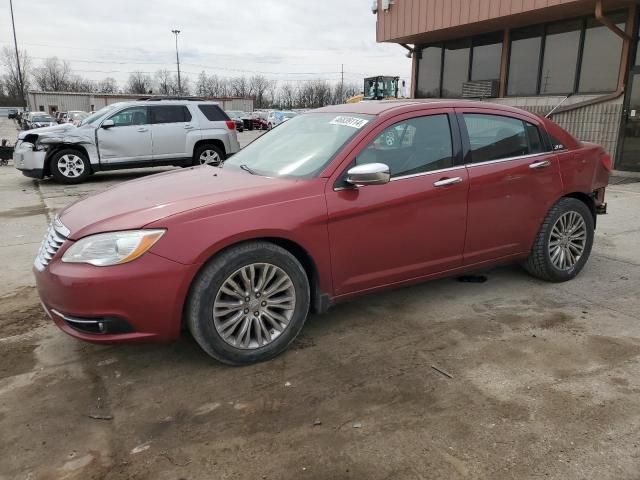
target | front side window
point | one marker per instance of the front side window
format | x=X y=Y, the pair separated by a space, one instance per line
x=170 y=114
x=130 y=116
x=562 y=43
x=495 y=137
x=414 y=146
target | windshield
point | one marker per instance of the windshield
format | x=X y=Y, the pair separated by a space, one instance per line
x=42 y=119
x=301 y=147
x=98 y=114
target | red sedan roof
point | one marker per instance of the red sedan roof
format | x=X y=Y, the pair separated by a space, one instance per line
x=378 y=107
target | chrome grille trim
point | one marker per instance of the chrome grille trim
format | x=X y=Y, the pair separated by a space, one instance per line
x=56 y=236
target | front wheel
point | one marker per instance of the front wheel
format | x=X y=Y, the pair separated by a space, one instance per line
x=248 y=303
x=564 y=242
x=70 y=166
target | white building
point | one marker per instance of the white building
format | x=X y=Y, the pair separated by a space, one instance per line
x=51 y=102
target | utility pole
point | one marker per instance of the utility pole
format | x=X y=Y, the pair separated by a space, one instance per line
x=342 y=84
x=176 y=32
x=15 y=42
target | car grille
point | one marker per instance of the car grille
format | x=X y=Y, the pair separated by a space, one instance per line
x=56 y=236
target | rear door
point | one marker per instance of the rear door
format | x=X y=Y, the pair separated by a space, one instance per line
x=514 y=179
x=170 y=126
x=129 y=140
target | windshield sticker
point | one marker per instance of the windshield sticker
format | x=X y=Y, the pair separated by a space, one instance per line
x=353 y=122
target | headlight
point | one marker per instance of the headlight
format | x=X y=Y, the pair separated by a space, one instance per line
x=114 y=248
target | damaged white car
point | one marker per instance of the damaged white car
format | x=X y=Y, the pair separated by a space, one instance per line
x=145 y=133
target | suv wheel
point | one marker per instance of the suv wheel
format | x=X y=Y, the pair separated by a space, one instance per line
x=208 y=155
x=564 y=242
x=70 y=166
x=249 y=303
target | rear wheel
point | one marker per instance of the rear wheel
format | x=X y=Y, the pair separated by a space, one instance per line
x=564 y=242
x=70 y=166
x=208 y=154
x=248 y=303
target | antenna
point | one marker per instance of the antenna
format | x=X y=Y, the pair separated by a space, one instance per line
x=557 y=106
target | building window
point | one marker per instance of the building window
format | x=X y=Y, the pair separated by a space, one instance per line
x=601 y=57
x=562 y=44
x=486 y=57
x=429 y=72
x=524 y=65
x=455 y=70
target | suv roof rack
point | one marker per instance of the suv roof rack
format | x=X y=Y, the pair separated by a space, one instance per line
x=159 y=99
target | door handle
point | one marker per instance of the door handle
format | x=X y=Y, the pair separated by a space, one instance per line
x=142 y=129
x=188 y=127
x=447 y=181
x=542 y=164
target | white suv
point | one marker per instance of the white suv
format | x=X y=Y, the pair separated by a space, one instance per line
x=145 y=133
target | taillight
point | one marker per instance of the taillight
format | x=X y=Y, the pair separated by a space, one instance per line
x=231 y=125
x=605 y=159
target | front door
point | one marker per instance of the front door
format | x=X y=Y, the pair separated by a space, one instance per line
x=406 y=229
x=128 y=140
x=513 y=181
x=629 y=157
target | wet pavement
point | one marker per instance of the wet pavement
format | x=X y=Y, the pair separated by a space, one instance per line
x=542 y=379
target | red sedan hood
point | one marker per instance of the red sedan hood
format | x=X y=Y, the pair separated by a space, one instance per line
x=137 y=203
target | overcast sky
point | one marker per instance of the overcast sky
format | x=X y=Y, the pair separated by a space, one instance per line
x=288 y=40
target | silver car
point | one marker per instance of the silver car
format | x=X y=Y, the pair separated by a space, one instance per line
x=143 y=133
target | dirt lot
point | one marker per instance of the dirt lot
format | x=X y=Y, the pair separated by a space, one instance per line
x=544 y=378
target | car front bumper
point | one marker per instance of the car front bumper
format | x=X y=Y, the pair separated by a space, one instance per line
x=141 y=301
x=30 y=162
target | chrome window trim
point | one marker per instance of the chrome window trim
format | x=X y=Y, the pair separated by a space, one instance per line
x=430 y=172
x=413 y=175
x=509 y=159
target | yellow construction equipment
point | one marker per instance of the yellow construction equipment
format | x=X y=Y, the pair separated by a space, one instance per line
x=378 y=88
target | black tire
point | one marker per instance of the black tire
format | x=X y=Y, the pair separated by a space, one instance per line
x=539 y=263
x=69 y=176
x=203 y=148
x=199 y=312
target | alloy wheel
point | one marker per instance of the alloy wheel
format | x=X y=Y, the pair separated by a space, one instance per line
x=71 y=166
x=254 y=306
x=567 y=241
x=209 y=157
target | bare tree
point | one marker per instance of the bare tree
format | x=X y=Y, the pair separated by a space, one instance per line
x=53 y=76
x=258 y=87
x=165 y=84
x=287 y=96
x=139 y=83
x=240 y=87
x=107 y=85
x=10 y=78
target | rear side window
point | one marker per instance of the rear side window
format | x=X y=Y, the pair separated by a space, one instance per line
x=170 y=114
x=213 y=113
x=495 y=137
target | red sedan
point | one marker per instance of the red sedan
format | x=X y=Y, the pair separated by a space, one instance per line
x=337 y=202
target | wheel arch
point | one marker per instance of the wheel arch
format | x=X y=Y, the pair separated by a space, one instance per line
x=320 y=301
x=64 y=146
x=588 y=201
x=210 y=141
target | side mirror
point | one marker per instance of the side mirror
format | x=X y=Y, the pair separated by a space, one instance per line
x=369 y=174
x=108 y=124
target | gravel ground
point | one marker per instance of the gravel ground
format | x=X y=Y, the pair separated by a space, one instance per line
x=542 y=378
